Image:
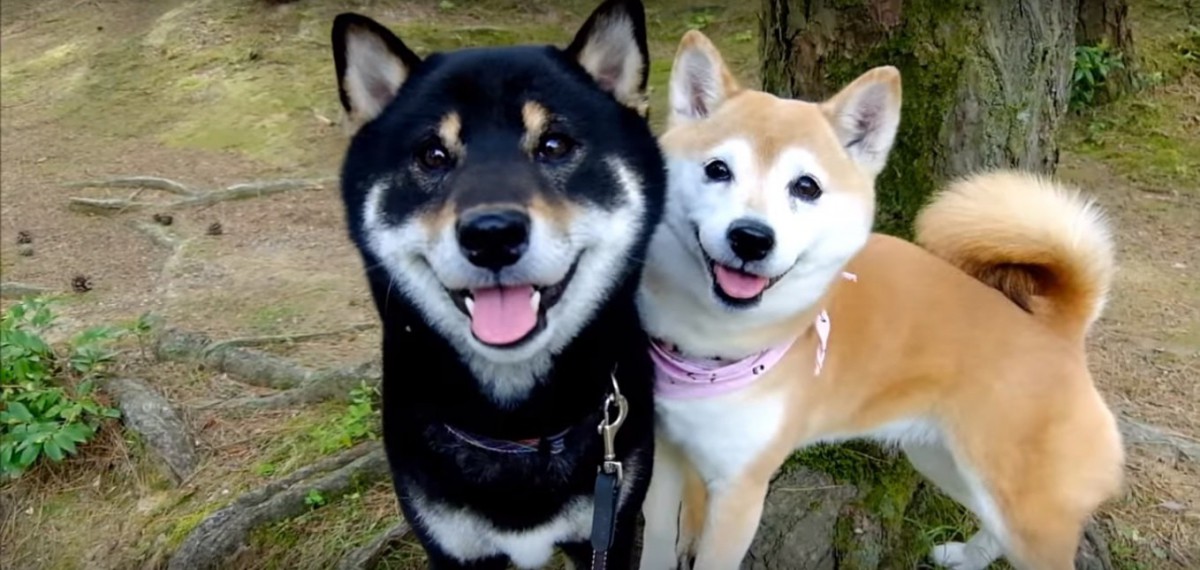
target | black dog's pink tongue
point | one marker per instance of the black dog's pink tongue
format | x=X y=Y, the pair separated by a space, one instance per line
x=503 y=315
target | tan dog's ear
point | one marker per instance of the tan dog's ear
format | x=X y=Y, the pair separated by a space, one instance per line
x=700 y=80
x=866 y=115
x=611 y=46
x=371 y=64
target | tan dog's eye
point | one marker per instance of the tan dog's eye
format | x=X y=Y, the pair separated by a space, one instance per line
x=717 y=171
x=805 y=188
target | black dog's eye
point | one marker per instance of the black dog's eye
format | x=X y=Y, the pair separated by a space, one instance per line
x=434 y=157
x=805 y=188
x=554 y=146
x=718 y=171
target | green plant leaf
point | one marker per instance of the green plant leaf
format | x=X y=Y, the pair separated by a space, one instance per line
x=77 y=432
x=52 y=450
x=28 y=455
x=18 y=412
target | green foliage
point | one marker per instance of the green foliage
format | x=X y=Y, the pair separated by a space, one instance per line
x=315 y=499
x=358 y=423
x=43 y=415
x=700 y=19
x=1093 y=65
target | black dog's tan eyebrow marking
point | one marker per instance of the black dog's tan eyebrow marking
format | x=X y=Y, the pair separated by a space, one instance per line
x=450 y=131
x=536 y=118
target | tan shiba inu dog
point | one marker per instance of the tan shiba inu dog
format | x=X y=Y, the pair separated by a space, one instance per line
x=780 y=321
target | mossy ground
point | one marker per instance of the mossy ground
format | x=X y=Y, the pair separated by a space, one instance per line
x=219 y=91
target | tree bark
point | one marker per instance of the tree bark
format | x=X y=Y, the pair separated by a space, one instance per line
x=986 y=84
x=1107 y=21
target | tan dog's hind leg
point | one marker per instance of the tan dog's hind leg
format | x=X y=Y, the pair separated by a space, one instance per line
x=1049 y=543
x=934 y=461
x=1040 y=533
x=731 y=520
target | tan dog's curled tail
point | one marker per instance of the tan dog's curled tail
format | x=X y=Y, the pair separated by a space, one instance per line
x=1041 y=244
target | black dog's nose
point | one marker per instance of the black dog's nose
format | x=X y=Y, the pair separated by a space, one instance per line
x=494 y=239
x=750 y=240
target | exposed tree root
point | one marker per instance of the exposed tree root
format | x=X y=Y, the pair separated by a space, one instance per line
x=299 y=384
x=14 y=290
x=190 y=198
x=255 y=190
x=1138 y=433
x=249 y=366
x=287 y=338
x=220 y=535
x=150 y=415
x=137 y=182
x=330 y=385
x=368 y=555
x=1093 y=553
x=159 y=235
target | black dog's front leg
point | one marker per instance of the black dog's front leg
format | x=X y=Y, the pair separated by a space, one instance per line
x=438 y=558
x=620 y=555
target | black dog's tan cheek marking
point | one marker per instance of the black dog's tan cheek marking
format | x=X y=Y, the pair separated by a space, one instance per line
x=437 y=219
x=536 y=118
x=557 y=212
x=450 y=131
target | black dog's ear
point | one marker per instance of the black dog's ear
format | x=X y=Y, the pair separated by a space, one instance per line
x=371 y=64
x=611 y=46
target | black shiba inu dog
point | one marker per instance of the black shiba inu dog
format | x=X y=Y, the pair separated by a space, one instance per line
x=502 y=200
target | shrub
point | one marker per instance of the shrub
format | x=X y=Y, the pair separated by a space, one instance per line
x=1093 y=65
x=47 y=396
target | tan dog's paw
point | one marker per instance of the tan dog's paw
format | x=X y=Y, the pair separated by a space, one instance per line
x=959 y=556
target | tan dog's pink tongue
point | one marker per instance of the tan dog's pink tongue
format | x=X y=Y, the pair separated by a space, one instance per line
x=502 y=315
x=737 y=284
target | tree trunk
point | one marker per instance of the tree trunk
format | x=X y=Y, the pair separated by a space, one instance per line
x=1107 y=22
x=986 y=83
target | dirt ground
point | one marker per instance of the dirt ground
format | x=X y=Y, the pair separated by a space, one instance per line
x=217 y=92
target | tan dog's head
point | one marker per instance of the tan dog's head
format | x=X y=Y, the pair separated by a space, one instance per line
x=768 y=197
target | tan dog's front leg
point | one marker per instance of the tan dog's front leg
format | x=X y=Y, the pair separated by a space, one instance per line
x=661 y=508
x=732 y=517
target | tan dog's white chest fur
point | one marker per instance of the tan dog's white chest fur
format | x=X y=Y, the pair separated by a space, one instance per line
x=722 y=435
x=967 y=351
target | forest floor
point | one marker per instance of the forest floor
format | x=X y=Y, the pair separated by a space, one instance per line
x=216 y=92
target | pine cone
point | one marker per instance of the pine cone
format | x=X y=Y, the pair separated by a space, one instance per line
x=81 y=284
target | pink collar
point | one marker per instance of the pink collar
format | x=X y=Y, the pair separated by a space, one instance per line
x=676 y=376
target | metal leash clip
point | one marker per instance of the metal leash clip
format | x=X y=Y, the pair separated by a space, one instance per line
x=608 y=430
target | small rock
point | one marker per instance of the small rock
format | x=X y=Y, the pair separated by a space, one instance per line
x=1179 y=265
x=152 y=503
x=1174 y=506
x=81 y=284
x=215 y=229
x=25 y=250
x=24 y=237
x=164 y=219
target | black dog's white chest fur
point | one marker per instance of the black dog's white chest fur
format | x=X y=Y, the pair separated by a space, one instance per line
x=466 y=535
x=502 y=199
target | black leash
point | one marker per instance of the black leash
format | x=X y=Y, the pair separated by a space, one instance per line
x=608 y=480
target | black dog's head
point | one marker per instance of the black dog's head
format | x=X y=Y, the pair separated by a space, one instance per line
x=507 y=192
